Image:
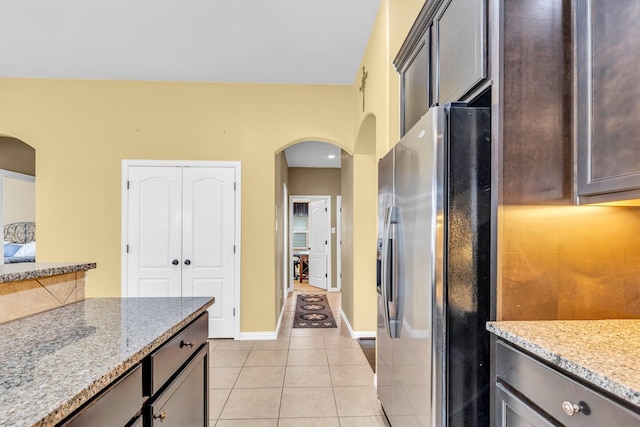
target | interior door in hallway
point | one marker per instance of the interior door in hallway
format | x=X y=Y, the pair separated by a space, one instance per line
x=208 y=243
x=318 y=241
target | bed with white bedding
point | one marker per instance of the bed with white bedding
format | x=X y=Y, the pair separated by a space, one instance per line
x=19 y=242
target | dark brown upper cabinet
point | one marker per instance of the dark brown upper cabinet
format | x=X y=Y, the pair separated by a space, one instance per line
x=607 y=40
x=460 y=54
x=443 y=57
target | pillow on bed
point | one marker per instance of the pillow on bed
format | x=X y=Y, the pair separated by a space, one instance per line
x=27 y=250
x=10 y=249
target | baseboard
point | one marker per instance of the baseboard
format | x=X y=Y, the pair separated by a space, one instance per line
x=356 y=334
x=280 y=317
x=258 y=336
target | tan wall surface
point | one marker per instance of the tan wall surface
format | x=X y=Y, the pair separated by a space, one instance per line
x=319 y=182
x=346 y=180
x=282 y=178
x=570 y=262
x=18 y=201
x=82 y=130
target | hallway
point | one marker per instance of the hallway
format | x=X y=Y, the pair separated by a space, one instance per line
x=307 y=377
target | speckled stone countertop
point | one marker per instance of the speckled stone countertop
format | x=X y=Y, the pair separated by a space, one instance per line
x=605 y=353
x=53 y=362
x=35 y=270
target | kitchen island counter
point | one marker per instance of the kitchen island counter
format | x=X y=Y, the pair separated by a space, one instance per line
x=605 y=353
x=53 y=362
x=36 y=270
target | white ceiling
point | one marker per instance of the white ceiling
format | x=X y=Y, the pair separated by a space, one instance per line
x=263 y=41
x=313 y=154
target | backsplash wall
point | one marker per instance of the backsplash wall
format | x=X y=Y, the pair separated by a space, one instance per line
x=570 y=262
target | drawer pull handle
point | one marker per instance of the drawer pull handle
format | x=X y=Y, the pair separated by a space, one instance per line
x=570 y=408
x=161 y=416
x=187 y=343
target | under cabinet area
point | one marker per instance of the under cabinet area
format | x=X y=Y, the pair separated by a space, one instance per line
x=607 y=100
x=531 y=393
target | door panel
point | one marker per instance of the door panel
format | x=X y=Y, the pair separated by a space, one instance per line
x=208 y=242
x=318 y=244
x=154 y=231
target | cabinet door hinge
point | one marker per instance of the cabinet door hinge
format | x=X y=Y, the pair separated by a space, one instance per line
x=234 y=186
x=325 y=209
x=127 y=248
x=234 y=249
x=127 y=185
x=234 y=312
x=325 y=242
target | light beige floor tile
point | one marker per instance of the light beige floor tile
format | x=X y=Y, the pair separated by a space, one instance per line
x=306 y=343
x=346 y=357
x=307 y=403
x=350 y=375
x=338 y=342
x=246 y=403
x=223 y=377
x=261 y=377
x=363 y=422
x=248 y=423
x=213 y=344
x=309 y=422
x=217 y=400
x=225 y=359
x=307 y=357
x=307 y=376
x=302 y=332
x=282 y=343
x=229 y=344
x=267 y=358
x=357 y=401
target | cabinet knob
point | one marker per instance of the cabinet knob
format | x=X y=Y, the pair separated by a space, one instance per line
x=570 y=408
x=187 y=261
x=161 y=416
x=175 y=262
x=187 y=343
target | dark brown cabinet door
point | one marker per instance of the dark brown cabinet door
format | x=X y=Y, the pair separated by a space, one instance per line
x=184 y=401
x=414 y=78
x=608 y=99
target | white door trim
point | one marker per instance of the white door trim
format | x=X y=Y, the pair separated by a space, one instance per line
x=237 y=167
x=328 y=229
x=338 y=244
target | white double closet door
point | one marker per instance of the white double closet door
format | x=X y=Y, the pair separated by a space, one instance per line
x=181 y=232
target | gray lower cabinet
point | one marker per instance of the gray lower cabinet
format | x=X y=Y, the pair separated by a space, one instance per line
x=607 y=43
x=169 y=387
x=460 y=33
x=116 y=406
x=183 y=402
x=531 y=393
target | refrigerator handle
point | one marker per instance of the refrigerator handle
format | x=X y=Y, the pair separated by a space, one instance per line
x=385 y=273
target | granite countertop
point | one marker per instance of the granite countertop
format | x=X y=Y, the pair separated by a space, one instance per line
x=605 y=353
x=35 y=270
x=53 y=362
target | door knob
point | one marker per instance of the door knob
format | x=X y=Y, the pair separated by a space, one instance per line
x=187 y=261
x=175 y=262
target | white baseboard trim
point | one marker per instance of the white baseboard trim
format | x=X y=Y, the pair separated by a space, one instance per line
x=280 y=318
x=375 y=381
x=356 y=334
x=258 y=336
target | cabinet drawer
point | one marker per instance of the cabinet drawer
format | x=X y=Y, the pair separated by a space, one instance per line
x=114 y=407
x=184 y=402
x=549 y=389
x=166 y=360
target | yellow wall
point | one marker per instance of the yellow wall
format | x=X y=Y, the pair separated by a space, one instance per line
x=376 y=130
x=281 y=179
x=81 y=131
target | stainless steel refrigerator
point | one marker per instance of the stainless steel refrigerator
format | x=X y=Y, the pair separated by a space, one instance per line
x=434 y=210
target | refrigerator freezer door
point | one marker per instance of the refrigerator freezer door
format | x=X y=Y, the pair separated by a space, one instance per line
x=384 y=343
x=415 y=194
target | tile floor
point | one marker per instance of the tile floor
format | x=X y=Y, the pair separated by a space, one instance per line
x=307 y=377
